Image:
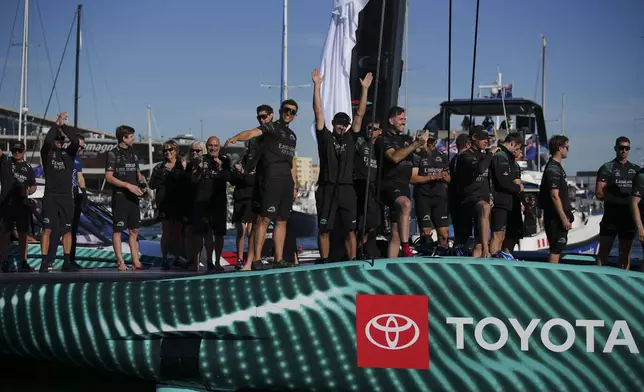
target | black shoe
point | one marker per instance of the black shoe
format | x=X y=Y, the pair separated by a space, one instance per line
x=6 y=267
x=259 y=266
x=24 y=267
x=321 y=261
x=239 y=265
x=282 y=264
x=75 y=264
x=217 y=268
x=45 y=267
x=69 y=267
x=165 y=265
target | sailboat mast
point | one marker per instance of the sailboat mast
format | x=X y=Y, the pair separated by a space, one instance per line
x=24 y=71
x=563 y=113
x=285 y=54
x=543 y=95
x=78 y=43
x=150 y=140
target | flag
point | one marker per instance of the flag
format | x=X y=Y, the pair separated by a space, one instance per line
x=336 y=58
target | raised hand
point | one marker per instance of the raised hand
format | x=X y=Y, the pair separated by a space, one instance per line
x=366 y=82
x=317 y=78
x=232 y=140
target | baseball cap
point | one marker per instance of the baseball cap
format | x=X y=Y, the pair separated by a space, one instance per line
x=341 y=118
x=17 y=146
x=432 y=133
x=479 y=132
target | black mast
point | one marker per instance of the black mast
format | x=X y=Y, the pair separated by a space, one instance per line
x=78 y=43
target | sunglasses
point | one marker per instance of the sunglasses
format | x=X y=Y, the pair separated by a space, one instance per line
x=195 y=150
x=167 y=150
x=262 y=116
x=17 y=150
x=624 y=148
x=288 y=111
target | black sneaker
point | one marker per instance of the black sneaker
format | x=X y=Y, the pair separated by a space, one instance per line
x=239 y=265
x=165 y=265
x=282 y=264
x=259 y=265
x=45 y=267
x=6 y=267
x=321 y=261
x=24 y=267
x=69 y=267
x=217 y=268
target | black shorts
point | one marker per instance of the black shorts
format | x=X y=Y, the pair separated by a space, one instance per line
x=58 y=212
x=256 y=201
x=390 y=193
x=277 y=198
x=462 y=227
x=126 y=213
x=243 y=211
x=469 y=215
x=332 y=200
x=499 y=219
x=618 y=221
x=171 y=212
x=18 y=215
x=373 y=207
x=431 y=210
x=556 y=234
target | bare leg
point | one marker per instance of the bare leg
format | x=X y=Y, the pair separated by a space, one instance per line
x=483 y=213
x=404 y=212
x=260 y=236
x=605 y=245
x=625 y=249
x=279 y=235
x=497 y=241
x=443 y=236
x=133 y=240
x=116 y=243
x=241 y=237
x=325 y=244
x=350 y=245
x=394 y=243
x=44 y=243
x=553 y=258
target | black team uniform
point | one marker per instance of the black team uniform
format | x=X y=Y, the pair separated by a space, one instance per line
x=244 y=184
x=16 y=178
x=503 y=176
x=515 y=227
x=335 y=196
x=58 y=203
x=430 y=198
x=365 y=164
x=554 y=177
x=124 y=163
x=638 y=191
x=619 y=182
x=531 y=214
x=473 y=184
x=462 y=227
x=210 y=204
x=395 y=177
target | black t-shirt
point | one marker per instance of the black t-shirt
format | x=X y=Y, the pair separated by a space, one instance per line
x=452 y=187
x=244 y=182
x=336 y=154
x=431 y=163
x=361 y=162
x=125 y=164
x=58 y=163
x=16 y=177
x=619 y=182
x=554 y=177
x=473 y=175
x=504 y=172
x=396 y=173
x=638 y=189
x=531 y=214
x=169 y=185
x=278 y=149
x=211 y=187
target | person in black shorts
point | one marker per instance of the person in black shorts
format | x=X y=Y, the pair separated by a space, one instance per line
x=58 y=204
x=462 y=227
x=637 y=207
x=252 y=174
x=123 y=174
x=168 y=180
x=278 y=178
x=335 y=196
x=209 y=174
x=554 y=199
x=474 y=188
x=614 y=187
x=18 y=182
x=515 y=230
x=397 y=166
x=79 y=192
x=506 y=186
x=430 y=190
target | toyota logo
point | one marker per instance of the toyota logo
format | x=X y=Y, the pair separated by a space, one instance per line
x=392 y=328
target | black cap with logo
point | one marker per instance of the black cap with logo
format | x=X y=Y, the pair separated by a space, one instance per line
x=17 y=146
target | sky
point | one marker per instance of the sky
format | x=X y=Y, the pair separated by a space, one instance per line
x=194 y=61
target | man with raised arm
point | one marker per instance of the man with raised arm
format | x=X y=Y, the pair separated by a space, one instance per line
x=397 y=167
x=335 y=196
x=128 y=185
x=58 y=203
x=554 y=198
x=278 y=190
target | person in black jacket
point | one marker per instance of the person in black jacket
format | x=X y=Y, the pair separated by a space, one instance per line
x=506 y=186
x=18 y=182
x=474 y=188
x=168 y=181
x=58 y=203
x=515 y=229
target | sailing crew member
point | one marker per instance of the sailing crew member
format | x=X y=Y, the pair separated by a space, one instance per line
x=637 y=207
x=58 y=204
x=554 y=199
x=531 y=216
x=18 y=182
x=168 y=180
x=515 y=228
x=474 y=188
x=278 y=190
x=614 y=187
x=335 y=196
x=396 y=174
x=506 y=186
x=128 y=185
x=247 y=208
x=462 y=227
x=79 y=192
x=430 y=197
x=210 y=174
